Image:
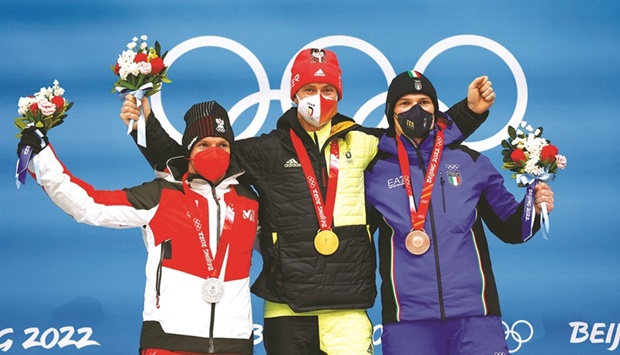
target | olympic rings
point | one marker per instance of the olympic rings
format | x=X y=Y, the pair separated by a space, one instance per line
x=265 y=95
x=516 y=336
x=506 y=56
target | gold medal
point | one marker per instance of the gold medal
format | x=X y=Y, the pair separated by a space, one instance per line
x=417 y=242
x=326 y=242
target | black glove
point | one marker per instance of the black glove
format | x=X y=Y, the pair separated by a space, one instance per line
x=34 y=137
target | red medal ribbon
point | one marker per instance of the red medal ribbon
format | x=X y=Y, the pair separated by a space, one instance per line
x=193 y=198
x=324 y=211
x=418 y=218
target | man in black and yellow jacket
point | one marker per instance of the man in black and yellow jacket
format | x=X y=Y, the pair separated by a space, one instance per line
x=318 y=275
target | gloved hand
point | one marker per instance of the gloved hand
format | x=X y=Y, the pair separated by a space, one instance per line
x=34 y=137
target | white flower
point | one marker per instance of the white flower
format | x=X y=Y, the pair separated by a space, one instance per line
x=59 y=91
x=529 y=128
x=47 y=108
x=143 y=46
x=128 y=68
x=532 y=168
x=144 y=37
x=519 y=132
x=537 y=132
x=126 y=58
x=135 y=39
x=131 y=45
x=24 y=104
x=523 y=124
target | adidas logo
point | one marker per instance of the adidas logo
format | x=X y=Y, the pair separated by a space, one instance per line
x=319 y=73
x=292 y=163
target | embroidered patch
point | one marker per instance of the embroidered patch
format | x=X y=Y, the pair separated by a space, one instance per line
x=454 y=178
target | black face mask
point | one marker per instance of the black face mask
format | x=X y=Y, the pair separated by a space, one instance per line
x=415 y=123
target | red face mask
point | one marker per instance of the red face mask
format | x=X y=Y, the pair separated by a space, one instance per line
x=211 y=163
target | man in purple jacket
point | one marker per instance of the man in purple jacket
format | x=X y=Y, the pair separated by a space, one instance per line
x=438 y=291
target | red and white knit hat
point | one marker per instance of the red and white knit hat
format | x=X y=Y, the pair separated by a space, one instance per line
x=315 y=65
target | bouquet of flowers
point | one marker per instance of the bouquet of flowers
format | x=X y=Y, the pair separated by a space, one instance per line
x=532 y=158
x=45 y=109
x=141 y=72
x=140 y=65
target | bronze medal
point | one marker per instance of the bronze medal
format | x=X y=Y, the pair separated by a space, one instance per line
x=326 y=242
x=417 y=242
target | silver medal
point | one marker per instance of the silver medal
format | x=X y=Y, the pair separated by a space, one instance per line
x=212 y=290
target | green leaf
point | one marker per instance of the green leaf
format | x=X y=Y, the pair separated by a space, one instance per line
x=39 y=124
x=166 y=80
x=507 y=145
x=126 y=84
x=157 y=48
x=506 y=152
x=512 y=133
x=511 y=165
x=20 y=125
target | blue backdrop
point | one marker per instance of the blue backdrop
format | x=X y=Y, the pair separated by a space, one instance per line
x=75 y=289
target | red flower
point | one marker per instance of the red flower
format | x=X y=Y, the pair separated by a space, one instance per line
x=117 y=69
x=140 y=57
x=548 y=153
x=518 y=156
x=34 y=108
x=59 y=102
x=157 y=65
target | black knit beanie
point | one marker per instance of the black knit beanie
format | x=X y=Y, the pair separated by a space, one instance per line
x=409 y=82
x=206 y=119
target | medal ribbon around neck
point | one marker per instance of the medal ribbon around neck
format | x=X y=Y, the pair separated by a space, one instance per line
x=418 y=218
x=324 y=211
x=192 y=197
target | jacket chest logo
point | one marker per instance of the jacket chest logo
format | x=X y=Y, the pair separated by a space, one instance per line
x=453 y=175
x=348 y=157
x=248 y=214
x=292 y=163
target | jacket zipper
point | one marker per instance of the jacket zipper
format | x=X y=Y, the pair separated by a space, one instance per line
x=217 y=231
x=443 y=195
x=162 y=256
x=434 y=237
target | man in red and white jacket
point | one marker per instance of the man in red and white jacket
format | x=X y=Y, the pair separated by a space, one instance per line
x=198 y=229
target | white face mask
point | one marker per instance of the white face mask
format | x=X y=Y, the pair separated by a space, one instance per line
x=317 y=110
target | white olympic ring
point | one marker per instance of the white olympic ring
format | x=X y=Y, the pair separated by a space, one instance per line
x=511 y=332
x=506 y=56
x=311 y=182
x=197 y=224
x=452 y=166
x=258 y=97
x=264 y=94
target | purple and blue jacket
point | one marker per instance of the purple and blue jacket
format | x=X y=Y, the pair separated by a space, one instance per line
x=454 y=278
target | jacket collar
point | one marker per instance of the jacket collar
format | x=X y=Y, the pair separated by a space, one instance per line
x=177 y=166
